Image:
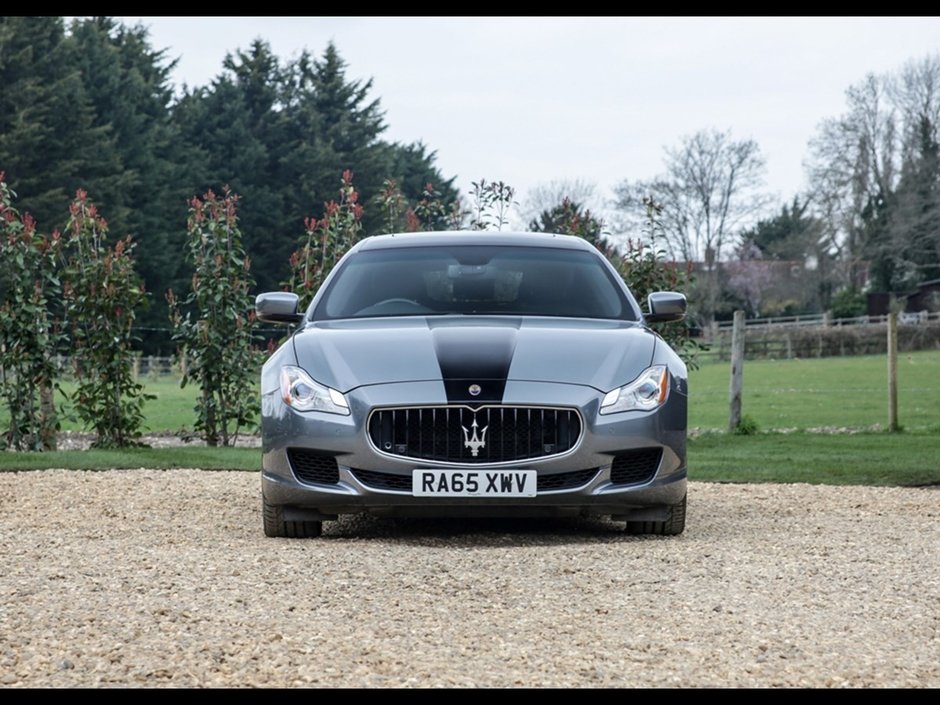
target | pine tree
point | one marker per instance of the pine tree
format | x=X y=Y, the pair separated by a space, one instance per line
x=127 y=82
x=49 y=142
x=233 y=129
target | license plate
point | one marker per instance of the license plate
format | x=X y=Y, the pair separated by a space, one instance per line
x=473 y=483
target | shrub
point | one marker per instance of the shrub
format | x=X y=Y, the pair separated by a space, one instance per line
x=215 y=334
x=101 y=290
x=325 y=241
x=28 y=334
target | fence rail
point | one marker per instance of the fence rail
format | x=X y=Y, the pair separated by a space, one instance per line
x=818 y=336
x=824 y=319
x=150 y=366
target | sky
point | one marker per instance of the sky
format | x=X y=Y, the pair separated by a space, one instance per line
x=530 y=99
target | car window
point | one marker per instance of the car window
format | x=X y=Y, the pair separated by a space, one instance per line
x=473 y=279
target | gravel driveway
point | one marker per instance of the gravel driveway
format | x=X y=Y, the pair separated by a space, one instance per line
x=163 y=578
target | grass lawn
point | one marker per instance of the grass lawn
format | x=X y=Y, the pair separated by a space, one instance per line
x=159 y=458
x=832 y=392
x=818 y=458
x=172 y=409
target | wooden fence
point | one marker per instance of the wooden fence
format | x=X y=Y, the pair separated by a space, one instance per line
x=820 y=336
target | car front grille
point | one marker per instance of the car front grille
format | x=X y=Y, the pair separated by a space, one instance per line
x=313 y=466
x=635 y=466
x=489 y=434
x=402 y=483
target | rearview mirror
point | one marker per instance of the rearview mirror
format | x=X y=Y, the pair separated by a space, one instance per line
x=278 y=307
x=666 y=306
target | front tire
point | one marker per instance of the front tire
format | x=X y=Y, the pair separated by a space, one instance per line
x=673 y=526
x=276 y=527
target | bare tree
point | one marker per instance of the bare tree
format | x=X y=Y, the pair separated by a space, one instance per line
x=547 y=195
x=852 y=168
x=915 y=91
x=875 y=177
x=914 y=221
x=711 y=189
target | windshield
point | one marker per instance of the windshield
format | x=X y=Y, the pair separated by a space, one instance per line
x=474 y=279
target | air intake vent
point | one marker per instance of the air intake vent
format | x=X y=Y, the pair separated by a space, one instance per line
x=635 y=466
x=313 y=466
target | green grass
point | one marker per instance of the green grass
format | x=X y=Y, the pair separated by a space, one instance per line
x=159 y=458
x=817 y=458
x=171 y=410
x=828 y=392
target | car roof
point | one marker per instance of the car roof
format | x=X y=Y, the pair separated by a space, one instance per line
x=474 y=237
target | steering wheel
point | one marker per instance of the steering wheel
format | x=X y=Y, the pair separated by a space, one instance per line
x=395 y=306
x=410 y=302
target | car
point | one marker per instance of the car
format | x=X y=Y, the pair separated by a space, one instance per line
x=473 y=374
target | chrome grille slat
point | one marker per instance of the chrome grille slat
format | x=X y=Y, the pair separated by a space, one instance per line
x=446 y=433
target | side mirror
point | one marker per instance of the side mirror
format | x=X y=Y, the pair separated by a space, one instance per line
x=278 y=307
x=666 y=306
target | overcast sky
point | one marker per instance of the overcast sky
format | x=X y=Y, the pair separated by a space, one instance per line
x=527 y=100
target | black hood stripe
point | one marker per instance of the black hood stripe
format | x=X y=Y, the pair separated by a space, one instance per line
x=471 y=355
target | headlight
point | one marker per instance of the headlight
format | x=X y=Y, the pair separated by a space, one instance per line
x=300 y=392
x=646 y=392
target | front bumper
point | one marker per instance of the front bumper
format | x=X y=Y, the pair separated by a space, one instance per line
x=603 y=438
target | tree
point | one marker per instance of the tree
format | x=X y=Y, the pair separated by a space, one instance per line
x=914 y=222
x=710 y=189
x=28 y=333
x=234 y=129
x=412 y=169
x=325 y=241
x=490 y=204
x=102 y=292
x=215 y=333
x=279 y=134
x=128 y=87
x=795 y=235
x=570 y=218
x=852 y=168
x=49 y=142
x=92 y=107
x=545 y=196
x=874 y=178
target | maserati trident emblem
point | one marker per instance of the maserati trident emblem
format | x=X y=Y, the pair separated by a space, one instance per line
x=475 y=390
x=473 y=442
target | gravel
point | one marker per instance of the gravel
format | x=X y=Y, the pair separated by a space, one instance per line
x=154 y=578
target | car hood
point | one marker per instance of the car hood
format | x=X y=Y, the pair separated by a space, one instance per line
x=464 y=350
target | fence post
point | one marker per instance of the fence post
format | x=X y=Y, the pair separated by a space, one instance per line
x=47 y=409
x=893 y=371
x=737 y=370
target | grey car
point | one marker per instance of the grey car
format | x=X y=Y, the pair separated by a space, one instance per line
x=473 y=374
